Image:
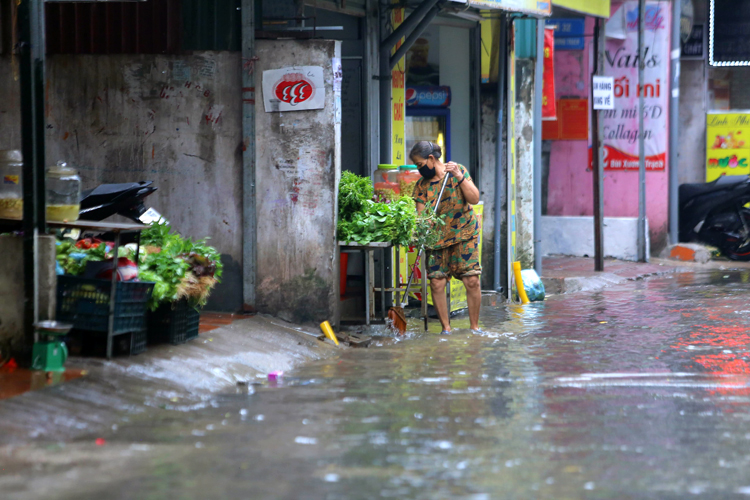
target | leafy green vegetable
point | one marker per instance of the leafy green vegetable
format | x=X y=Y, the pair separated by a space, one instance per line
x=363 y=221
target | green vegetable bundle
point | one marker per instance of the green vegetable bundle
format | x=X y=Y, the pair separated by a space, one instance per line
x=363 y=221
x=179 y=267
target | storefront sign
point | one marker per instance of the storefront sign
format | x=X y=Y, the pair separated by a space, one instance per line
x=620 y=125
x=297 y=88
x=428 y=97
x=398 y=98
x=598 y=8
x=604 y=92
x=549 y=104
x=569 y=33
x=527 y=6
x=728 y=147
x=695 y=47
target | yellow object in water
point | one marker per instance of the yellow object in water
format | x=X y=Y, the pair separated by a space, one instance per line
x=519 y=283
x=328 y=331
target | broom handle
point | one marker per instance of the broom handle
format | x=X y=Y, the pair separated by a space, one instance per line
x=421 y=250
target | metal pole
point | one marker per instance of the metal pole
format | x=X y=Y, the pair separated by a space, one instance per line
x=537 y=180
x=674 y=127
x=390 y=39
x=598 y=166
x=409 y=41
x=642 y=257
x=384 y=79
x=500 y=153
x=31 y=65
x=249 y=226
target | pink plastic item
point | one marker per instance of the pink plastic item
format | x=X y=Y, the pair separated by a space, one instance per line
x=275 y=375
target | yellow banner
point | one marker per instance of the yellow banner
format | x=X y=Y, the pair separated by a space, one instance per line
x=728 y=145
x=599 y=8
x=537 y=7
x=398 y=98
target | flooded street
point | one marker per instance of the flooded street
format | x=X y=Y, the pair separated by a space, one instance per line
x=638 y=391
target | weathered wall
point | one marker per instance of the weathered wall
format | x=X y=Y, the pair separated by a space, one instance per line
x=174 y=120
x=11 y=286
x=10 y=107
x=525 y=162
x=488 y=145
x=298 y=169
x=693 y=107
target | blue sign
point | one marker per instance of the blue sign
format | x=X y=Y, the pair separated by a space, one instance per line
x=569 y=33
x=428 y=97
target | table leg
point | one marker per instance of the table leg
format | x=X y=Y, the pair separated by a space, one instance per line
x=371 y=287
x=423 y=265
x=113 y=297
x=366 y=255
x=382 y=283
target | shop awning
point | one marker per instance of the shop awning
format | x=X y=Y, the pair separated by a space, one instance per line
x=598 y=8
x=534 y=7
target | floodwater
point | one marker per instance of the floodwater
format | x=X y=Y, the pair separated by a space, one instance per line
x=638 y=391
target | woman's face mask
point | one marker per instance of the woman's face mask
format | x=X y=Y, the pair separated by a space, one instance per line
x=427 y=172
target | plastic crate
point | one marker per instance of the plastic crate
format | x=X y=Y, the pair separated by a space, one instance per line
x=138 y=342
x=84 y=303
x=174 y=323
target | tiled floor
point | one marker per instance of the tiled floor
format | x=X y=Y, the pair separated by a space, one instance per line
x=16 y=381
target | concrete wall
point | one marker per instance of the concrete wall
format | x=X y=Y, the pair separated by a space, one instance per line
x=297 y=171
x=693 y=107
x=525 y=69
x=174 y=120
x=455 y=72
x=12 y=291
x=575 y=236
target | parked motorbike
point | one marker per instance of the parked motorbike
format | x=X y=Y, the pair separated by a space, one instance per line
x=715 y=213
x=125 y=199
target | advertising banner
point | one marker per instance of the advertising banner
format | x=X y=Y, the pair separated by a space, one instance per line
x=398 y=98
x=428 y=97
x=728 y=147
x=549 y=104
x=599 y=8
x=620 y=125
x=293 y=89
x=536 y=7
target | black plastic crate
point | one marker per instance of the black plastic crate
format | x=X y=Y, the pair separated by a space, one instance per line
x=174 y=323
x=84 y=303
x=138 y=342
x=94 y=344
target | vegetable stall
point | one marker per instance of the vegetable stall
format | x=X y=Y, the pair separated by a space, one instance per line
x=371 y=220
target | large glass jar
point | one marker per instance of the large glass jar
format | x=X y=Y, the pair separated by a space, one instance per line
x=63 y=193
x=386 y=182
x=11 y=185
x=408 y=176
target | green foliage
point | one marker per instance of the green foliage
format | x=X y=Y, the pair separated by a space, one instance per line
x=354 y=191
x=363 y=221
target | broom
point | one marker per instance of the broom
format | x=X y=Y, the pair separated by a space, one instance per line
x=396 y=314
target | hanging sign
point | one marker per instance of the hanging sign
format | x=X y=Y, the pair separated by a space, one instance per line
x=398 y=99
x=604 y=92
x=569 y=33
x=297 y=88
x=549 y=106
x=536 y=7
x=620 y=124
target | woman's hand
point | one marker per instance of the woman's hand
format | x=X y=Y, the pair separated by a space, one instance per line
x=452 y=168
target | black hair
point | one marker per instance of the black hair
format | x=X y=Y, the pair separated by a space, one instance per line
x=423 y=149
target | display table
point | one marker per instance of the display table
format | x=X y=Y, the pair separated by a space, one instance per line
x=118 y=229
x=370 y=289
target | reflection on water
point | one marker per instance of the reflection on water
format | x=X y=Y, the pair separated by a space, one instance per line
x=638 y=391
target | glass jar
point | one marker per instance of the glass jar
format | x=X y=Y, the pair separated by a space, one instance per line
x=408 y=176
x=63 y=193
x=11 y=187
x=386 y=182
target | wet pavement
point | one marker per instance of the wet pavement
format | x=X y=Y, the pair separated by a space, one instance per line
x=641 y=390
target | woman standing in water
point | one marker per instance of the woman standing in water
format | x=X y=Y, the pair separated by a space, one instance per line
x=456 y=255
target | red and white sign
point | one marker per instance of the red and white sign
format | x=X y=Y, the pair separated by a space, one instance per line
x=293 y=89
x=549 y=104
